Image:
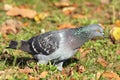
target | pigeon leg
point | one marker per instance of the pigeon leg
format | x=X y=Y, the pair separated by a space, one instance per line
x=59 y=66
x=42 y=59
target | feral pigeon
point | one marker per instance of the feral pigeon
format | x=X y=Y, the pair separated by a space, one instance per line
x=59 y=45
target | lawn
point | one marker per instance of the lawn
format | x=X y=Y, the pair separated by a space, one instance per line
x=97 y=59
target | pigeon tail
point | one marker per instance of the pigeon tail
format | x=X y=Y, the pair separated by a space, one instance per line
x=23 y=45
x=13 y=45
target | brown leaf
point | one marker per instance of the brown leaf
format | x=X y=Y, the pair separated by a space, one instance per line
x=111 y=75
x=80 y=16
x=117 y=68
x=2 y=72
x=7 y=7
x=68 y=10
x=43 y=74
x=118 y=52
x=64 y=26
x=102 y=62
x=11 y=26
x=83 y=52
x=5 y=36
x=89 y=4
x=70 y=73
x=105 y=1
x=33 y=78
x=72 y=79
x=26 y=70
x=22 y=12
x=98 y=75
x=25 y=24
x=62 y=4
x=64 y=73
x=80 y=69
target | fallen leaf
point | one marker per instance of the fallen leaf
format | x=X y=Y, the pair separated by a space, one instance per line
x=62 y=4
x=102 y=62
x=11 y=26
x=105 y=1
x=5 y=36
x=22 y=12
x=2 y=72
x=89 y=4
x=64 y=26
x=72 y=79
x=64 y=73
x=117 y=23
x=70 y=73
x=83 y=53
x=33 y=78
x=115 y=34
x=26 y=70
x=80 y=69
x=7 y=7
x=98 y=75
x=117 y=68
x=25 y=24
x=99 y=9
x=6 y=74
x=118 y=52
x=68 y=10
x=111 y=75
x=80 y=16
x=41 y=16
x=43 y=74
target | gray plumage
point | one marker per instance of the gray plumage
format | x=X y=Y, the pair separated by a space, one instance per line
x=58 y=45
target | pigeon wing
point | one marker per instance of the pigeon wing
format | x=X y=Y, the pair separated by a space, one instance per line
x=46 y=43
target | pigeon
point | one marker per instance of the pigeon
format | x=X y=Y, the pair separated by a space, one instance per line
x=58 y=45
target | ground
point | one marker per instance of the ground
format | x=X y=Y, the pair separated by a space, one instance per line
x=98 y=59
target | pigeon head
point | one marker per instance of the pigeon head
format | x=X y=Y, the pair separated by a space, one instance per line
x=89 y=32
x=94 y=30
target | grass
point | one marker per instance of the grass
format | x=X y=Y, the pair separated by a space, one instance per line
x=12 y=60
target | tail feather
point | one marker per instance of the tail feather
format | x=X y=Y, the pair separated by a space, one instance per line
x=13 y=45
x=23 y=45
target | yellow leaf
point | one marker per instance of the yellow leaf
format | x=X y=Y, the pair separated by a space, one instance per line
x=117 y=23
x=115 y=33
x=41 y=16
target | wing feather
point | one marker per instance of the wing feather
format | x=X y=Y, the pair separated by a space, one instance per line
x=46 y=43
